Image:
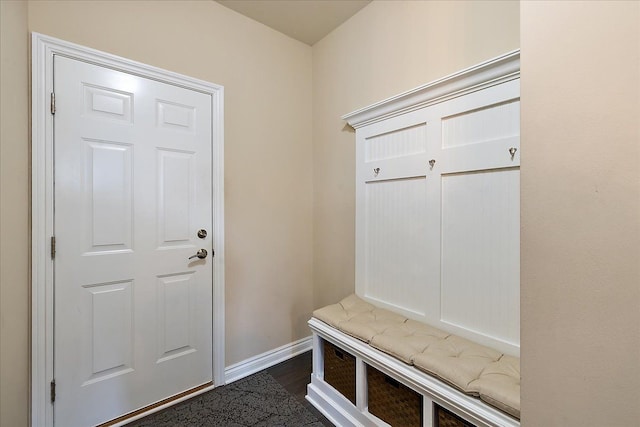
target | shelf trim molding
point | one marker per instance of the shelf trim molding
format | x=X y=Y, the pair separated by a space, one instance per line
x=489 y=73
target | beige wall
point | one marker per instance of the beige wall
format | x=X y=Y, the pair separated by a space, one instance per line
x=580 y=253
x=267 y=83
x=267 y=80
x=14 y=215
x=580 y=170
x=385 y=49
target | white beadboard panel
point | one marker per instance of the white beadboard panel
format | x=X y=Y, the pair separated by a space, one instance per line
x=480 y=278
x=397 y=143
x=395 y=246
x=441 y=244
x=489 y=123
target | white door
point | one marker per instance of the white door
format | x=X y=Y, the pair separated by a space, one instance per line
x=133 y=312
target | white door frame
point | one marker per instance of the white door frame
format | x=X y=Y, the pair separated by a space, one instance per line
x=42 y=196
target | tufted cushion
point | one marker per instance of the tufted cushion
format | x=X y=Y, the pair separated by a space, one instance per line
x=365 y=326
x=472 y=368
x=456 y=361
x=349 y=307
x=406 y=340
x=358 y=318
x=499 y=385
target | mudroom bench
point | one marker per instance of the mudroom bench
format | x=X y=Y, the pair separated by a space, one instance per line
x=374 y=367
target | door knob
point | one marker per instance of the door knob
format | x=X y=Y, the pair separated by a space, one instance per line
x=202 y=254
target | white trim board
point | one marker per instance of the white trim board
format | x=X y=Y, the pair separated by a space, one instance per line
x=416 y=190
x=43 y=50
x=267 y=359
x=488 y=73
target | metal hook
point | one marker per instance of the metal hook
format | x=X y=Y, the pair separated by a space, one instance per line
x=512 y=151
x=432 y=162
x=376 y=171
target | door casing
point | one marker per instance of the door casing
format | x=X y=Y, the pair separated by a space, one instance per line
x=42 y=197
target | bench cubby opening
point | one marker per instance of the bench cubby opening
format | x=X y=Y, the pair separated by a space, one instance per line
x=340 y=370
x=436 y=395
x=391 y=401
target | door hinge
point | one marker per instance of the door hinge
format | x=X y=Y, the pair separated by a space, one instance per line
x=53 y=247
x=53 y=103
x=53 y=391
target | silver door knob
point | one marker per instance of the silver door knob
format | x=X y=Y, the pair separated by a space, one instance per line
x=202 y=254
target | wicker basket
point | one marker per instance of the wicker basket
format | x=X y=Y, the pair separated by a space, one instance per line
x=340 y=371
x=392 y=402
x=445 y=418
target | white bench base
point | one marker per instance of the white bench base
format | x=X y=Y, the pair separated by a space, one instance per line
x=341 y=412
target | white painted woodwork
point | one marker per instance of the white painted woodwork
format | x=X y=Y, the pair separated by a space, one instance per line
x=440 y=243
x=109 y=321
x=176 y=195
x=342 y=412
x=481 y=264
x=397 y=143
x=110 y=106
x=133 y=315
x=108 y=196
x=396 y=235
x=267 y=359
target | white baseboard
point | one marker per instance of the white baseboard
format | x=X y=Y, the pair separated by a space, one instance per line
x=265 y=360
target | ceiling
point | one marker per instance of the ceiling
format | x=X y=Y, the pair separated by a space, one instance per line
x=305 y=20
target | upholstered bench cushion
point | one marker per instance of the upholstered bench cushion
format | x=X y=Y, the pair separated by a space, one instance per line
x=358 y=318
x=499 y=385
x=343 y=311
x=456 y=361
x=407 y=340
x=472 y=368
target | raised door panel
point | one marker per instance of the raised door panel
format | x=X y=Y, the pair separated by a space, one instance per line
x=108 y=196
x=107 y=331
x=176 y=308
x=176 y=185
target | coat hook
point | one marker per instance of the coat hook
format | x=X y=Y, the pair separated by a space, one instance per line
x=512 y=151
x=432 y=162
x=376 y=171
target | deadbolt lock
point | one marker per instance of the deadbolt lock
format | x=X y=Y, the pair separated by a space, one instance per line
x=202 y=233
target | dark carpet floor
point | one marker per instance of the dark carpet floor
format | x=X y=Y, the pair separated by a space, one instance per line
x=257 y=400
